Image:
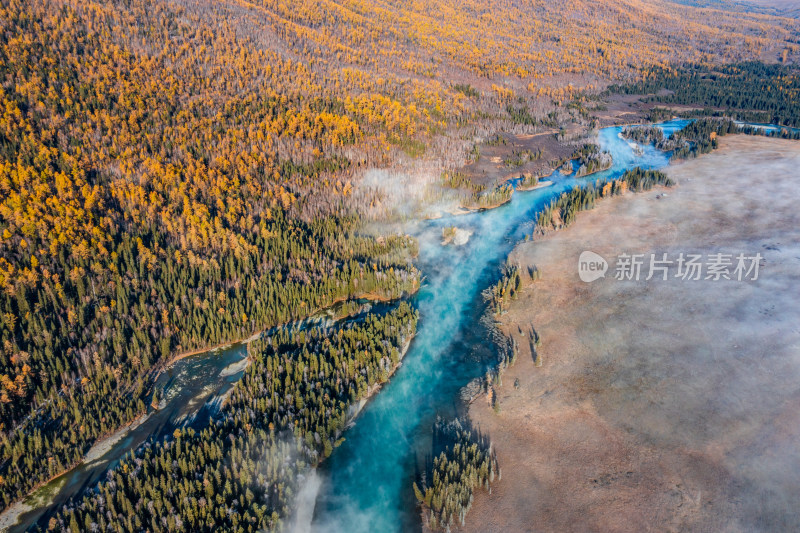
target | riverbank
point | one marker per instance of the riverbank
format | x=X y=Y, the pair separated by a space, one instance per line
x=540 y=185
x=669 y=404
x=42 y=495
x=10 y=516
x=356 y=408
x=371 y=297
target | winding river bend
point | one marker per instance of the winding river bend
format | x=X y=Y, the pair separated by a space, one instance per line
x=366 y=483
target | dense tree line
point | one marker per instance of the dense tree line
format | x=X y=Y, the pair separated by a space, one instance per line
x=240 y=472
x=474 y=195
x=488 y=200
x=781 y=133
x=500 y=295
x=527 y=181
x=562 y=211
x=750 y=91
x=463 y=461
x=459 y=180
x=700 y=137
x=767 y=130
x=647 y=135
x=517 y=158
x=638 y=180
x=591 y=159
x=659 y=114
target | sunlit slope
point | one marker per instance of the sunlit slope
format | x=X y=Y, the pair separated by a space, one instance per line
x=525 y=40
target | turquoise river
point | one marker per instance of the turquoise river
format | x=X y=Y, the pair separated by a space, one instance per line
x=366 y=486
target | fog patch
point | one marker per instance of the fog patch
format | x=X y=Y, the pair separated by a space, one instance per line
x=305 y=502
x=407 y=193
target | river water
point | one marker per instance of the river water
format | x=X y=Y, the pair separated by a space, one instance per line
x=365 y=486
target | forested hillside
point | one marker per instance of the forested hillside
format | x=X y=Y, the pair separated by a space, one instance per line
x=148 y=209
x=177 y=174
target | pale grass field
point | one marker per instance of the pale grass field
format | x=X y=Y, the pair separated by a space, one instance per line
x=661 y=405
